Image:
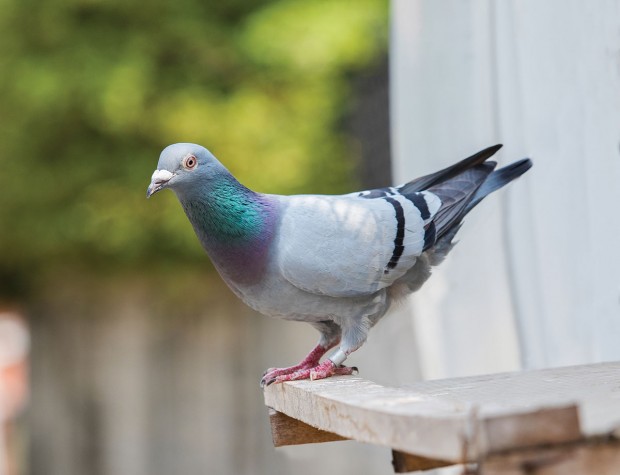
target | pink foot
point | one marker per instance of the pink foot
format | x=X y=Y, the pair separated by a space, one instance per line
x=320 y=371
x=308 y=362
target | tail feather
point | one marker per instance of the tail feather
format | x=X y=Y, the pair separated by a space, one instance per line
x=459 y=195
x=455 y=195
x=498 y=179
x=428 y=181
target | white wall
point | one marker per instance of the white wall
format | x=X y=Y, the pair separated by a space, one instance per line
x=535 y=279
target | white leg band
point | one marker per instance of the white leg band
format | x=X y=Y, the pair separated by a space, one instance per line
x=338 y=357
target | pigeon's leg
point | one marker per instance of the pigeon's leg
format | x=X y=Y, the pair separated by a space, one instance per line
x=330 y=337
x=353 y=336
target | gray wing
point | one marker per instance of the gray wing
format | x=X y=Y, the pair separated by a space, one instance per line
x=346 y=246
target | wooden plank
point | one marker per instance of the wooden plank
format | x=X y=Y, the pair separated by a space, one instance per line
x=594 y=388
x=288 y=431
x=460 y=419
x=404 y=462
x=531 y=429
x=367 y=412
x=598 y=457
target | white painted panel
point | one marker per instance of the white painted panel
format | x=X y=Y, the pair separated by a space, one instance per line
x=539 y=262
x=559 y=100
x=442 y=110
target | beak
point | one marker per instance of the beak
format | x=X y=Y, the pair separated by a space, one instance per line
x=159 y=180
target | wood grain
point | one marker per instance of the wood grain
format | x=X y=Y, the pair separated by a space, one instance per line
x=461 y=419
x=288 y=431
x=596 y=457
x=404 y=462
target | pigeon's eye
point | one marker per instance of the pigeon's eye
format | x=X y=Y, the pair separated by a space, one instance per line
x=189 y=162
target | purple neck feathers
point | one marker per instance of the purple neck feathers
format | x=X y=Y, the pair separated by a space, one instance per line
x=235 y=226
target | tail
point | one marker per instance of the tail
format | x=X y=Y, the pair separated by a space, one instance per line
x=461 y=193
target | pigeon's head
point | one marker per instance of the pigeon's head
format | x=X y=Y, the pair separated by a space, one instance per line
x=183 y=167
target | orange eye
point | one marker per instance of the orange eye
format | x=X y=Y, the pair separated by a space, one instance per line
x=190 y=162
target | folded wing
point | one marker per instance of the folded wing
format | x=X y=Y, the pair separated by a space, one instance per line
x=346 y=246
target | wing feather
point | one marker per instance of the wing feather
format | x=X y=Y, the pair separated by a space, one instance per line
x=343 y=246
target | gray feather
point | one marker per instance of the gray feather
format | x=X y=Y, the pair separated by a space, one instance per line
x=455 y=195
x=499 y=178
x=428 y=181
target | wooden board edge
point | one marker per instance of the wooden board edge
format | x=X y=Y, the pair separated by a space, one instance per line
x=545 y=426
x=286 y=430
x=321 y=406
x=404 y=462
x=597 y=456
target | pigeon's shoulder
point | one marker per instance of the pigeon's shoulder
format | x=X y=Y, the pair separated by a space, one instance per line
x=349 y=245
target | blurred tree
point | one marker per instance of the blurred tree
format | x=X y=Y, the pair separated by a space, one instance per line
x=92 y=90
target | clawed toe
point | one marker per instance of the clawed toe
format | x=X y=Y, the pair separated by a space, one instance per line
x=272 y=374
x=305 y=371
x=271 y=370
x=345 y=370
x=321 y=371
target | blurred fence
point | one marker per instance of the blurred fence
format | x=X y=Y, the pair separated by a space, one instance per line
x=129 y=381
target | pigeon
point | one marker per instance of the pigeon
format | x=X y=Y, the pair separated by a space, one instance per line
x=338 y=262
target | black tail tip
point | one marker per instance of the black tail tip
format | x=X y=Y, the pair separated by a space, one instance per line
x=512 y=171
x=500 y=178
x=519 y=167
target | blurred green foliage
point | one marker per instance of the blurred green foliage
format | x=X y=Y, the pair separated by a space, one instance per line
x=92 y=90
